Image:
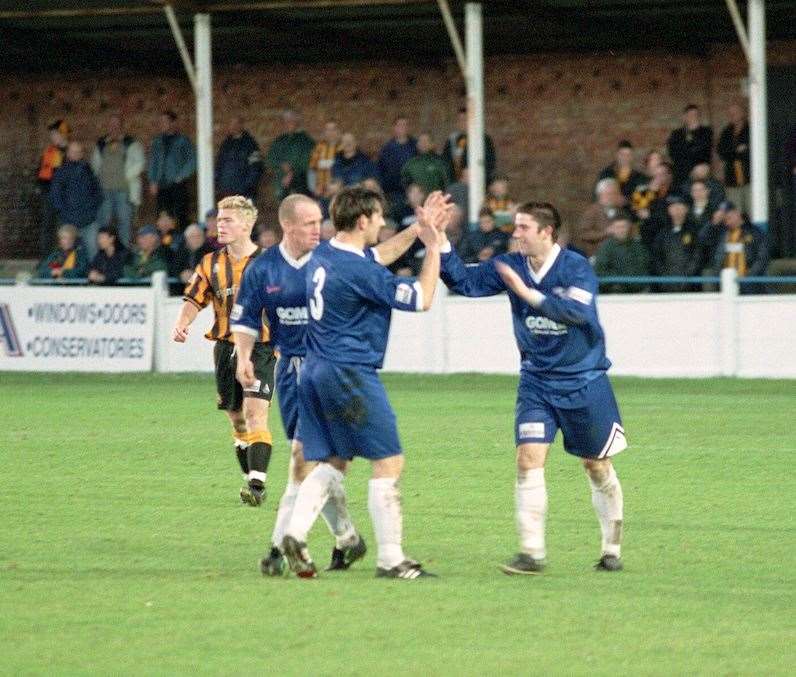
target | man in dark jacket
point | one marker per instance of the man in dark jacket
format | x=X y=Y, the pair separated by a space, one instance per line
x=146 y=259
x=622 y=170
x=288 y=157
x=622 y=255
x=351 y=165
x=486 y=242
x=108 y=264
x=675 y=248
x=690 y=145
x=455 y=151
x=733 y=149
x=392 y=157
x=741 y=246
x=239 y=165
x=172 y=161
x=427 y=169
x=76 y=195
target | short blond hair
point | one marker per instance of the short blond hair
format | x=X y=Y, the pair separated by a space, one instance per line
x=243 y=205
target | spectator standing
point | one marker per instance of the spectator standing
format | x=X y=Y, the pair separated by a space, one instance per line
x=741 y=246
x=107 y=266
x=239 y=165
x=427 y=169
x=172 y=162
x=405 y=217
x=147 y=258
x=351 y=165
x=733 y=149
x=486 y=242
x=289 y=155
x=392 y=157
x=690 y=144
x=118 y=161
x=51 y=159
x=319 y=173
x=623 y=171
x=592 y=227
x=455 y=151
x=622 y=255
x=68 y=261
x=75 y=195
x=675 y=248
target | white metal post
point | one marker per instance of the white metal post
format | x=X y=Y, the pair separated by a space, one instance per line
x=758 y=113
x=204 y=114
x=473 y=24
x=728 y=322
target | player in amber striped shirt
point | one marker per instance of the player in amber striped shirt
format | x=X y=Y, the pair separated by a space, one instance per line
x=322 y=159
x=217 y=280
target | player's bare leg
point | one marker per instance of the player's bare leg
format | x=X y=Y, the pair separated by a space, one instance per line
x=531 y=510
x=240 y=438
x=606 y=496
x=255 y=413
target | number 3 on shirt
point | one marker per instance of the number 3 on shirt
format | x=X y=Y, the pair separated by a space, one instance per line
x=316 y=302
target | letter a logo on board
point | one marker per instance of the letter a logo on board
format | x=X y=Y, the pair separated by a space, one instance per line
x=8 y=333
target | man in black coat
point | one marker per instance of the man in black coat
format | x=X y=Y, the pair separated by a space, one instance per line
x=690 y=145
x=239 y=165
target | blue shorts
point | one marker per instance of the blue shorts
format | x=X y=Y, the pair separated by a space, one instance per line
x=344 y=412
x=589 y=418
x=288 y=370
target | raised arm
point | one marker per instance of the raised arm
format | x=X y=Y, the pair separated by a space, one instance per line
x=389 y=251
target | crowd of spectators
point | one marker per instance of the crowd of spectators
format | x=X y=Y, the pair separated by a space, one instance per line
x=667 y=217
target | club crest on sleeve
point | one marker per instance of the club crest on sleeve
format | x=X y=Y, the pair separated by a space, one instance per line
x=403 y=293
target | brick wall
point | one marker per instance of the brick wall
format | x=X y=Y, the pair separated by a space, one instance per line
x=555 y=118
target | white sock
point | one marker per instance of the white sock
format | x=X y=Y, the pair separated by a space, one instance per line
x=384 y=505
x=335 y=514
x=284 y=512
x=531 y=503
x=312 y=494
x=606 y=497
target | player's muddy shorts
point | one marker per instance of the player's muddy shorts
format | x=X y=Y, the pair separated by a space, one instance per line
x=588 y=418
x=343 y=411
x=230 y=392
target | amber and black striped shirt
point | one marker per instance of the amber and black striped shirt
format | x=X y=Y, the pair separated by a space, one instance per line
x=217 y=279
x=321 y=162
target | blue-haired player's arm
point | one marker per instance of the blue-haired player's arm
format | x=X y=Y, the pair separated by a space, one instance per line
x=480 y=280
x=246 y=320
x=575 y=305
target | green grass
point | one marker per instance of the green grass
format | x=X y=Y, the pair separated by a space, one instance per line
x=123 y=549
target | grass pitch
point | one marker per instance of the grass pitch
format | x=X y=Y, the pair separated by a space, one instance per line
x=124 y=549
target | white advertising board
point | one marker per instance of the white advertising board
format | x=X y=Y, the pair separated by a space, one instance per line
x=76 y=328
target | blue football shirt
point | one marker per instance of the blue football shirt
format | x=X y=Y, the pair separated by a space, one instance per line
x=561 y=343
x=350 y=299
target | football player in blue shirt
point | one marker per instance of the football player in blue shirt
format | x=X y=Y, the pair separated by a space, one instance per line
x=563 y=382
x=275 y=289
x=343 y=407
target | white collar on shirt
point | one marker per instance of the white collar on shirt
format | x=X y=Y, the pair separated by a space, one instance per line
x=296 y=263
x=346 y=247
x=546 y=266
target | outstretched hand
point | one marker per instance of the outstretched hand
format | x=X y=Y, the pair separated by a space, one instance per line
x=436 y=212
